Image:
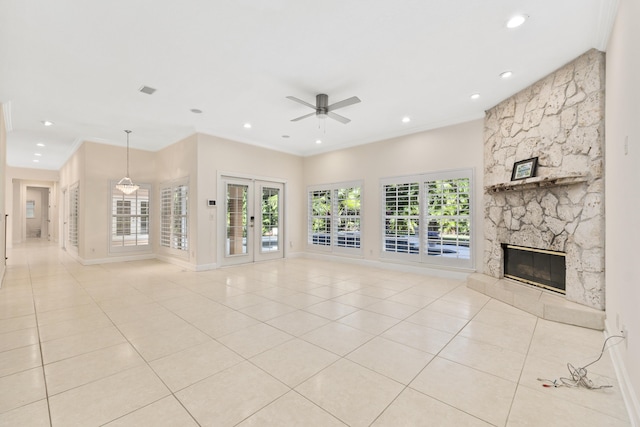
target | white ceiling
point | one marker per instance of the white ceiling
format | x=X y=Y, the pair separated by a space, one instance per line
x=80 y=64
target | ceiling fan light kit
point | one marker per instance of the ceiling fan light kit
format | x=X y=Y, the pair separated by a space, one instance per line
x=323 y=109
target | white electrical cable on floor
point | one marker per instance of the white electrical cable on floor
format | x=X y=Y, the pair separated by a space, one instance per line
x=579 y=375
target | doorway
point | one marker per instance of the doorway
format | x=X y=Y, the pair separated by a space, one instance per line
x=253 y=220
x=37 y=213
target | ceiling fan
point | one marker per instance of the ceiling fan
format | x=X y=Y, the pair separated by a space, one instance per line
x=323 y=109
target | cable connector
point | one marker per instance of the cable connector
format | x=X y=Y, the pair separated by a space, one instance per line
x=549 y=383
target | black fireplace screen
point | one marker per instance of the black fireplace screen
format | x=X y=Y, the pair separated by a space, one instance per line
x=537 y=267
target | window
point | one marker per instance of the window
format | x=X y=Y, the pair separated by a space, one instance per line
x=144 y=216
x=320 y=218
x=74 y=194
x=448 y=217
x=129 y=219
x=427 y=218
x=270 y=219
x=347 y=214
x=334 y=217
x=31 y=209
x=122 y=217
x=173 y=216
x=402 y=217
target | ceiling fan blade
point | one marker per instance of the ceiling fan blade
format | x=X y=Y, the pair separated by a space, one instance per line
x=300 y=101
x=344 y=103
x=338 y=117
x=304 y=117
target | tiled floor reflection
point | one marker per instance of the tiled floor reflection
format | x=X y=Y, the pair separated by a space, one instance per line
x=293 y=342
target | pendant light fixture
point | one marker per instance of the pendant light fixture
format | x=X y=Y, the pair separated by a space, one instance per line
x=125 y=184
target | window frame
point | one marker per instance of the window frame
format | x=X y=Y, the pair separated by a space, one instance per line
x=398 y=255
x=422 y=238
x=352 y=244
x=133 y=217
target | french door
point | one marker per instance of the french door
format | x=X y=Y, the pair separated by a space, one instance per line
x=253 y=217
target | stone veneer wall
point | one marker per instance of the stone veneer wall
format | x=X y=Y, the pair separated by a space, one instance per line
x=559 y=119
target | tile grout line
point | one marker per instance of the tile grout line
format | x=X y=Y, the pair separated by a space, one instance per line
x=44 y=376
x=434 y=357
x=146 y=362
x=521 y=371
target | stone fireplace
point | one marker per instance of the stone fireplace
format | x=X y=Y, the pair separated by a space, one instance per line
x=560 y=120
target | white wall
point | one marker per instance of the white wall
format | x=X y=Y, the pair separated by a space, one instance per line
x=178 y=161
x=199 y=158
x=3 y=189
x=72 y=172
x=623 y=193
x=217 y=156
x=17 y=181
x=453 y=147
x=106 y=163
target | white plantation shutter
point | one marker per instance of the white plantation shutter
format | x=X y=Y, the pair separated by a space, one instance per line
x=165 y=217
x=401 y=217
x=74 y=196
x=174 y=202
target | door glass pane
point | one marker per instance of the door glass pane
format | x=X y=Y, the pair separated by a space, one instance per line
x=270 y=218
x=237 y=219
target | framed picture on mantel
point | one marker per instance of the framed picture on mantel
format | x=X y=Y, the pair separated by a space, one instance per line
x=524 y=169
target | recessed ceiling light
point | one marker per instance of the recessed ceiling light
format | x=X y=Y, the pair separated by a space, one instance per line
x=406 y=119
x=475 y=96
x=196 y=111
x=516 y=21
x=285 y=136
x=40 y=144
x=36 y=161
x=506 y=74
x=47 y=122
x=247 y=125
x=318 y=141
x=146 y=89
x=37 y=154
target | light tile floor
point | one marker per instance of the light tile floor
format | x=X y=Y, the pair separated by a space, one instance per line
x=293 y=342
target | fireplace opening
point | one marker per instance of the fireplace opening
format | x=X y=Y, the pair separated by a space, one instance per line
x=537 y=267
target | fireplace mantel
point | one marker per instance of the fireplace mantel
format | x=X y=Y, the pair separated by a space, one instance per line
x=536 y=182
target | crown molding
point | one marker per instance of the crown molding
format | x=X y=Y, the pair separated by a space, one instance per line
x=606 y=19
x=6 y=112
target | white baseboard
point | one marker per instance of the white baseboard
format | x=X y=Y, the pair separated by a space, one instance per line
x=389 y=265
x=626 y=386
x=177 y=261
x=392 y=265
x=206 y=267
x=125 y=258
